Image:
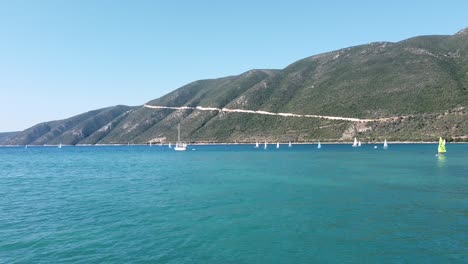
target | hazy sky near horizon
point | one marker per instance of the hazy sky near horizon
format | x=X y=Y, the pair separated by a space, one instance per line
x=62 y=58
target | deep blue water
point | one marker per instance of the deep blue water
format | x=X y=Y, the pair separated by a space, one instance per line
x=234 y=204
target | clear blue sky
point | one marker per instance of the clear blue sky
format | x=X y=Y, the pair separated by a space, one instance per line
x=61 y=58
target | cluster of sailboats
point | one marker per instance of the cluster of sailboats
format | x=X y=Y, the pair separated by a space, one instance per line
x=182 y=146
x=357 y=143
x=265 y=146
x=440 y=150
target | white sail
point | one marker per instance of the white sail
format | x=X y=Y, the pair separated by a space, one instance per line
x=256 y=144
x=359 y=143
x=170 y=145
x=277 y=145
x=265 y=146
x=385 y=145
x=60 y=145
x=355 y=143
x=319 y=145
x=289 y=145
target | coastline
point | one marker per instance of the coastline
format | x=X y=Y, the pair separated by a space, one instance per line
x=231 y=143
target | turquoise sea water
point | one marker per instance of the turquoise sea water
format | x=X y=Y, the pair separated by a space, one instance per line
x=234 y=204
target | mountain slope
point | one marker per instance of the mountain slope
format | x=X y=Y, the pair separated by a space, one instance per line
x=89 y=127
x=5 y=137
x=420 y=85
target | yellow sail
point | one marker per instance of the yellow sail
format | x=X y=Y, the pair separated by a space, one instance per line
x=441 y=146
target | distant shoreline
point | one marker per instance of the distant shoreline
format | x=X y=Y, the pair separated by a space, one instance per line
x=228 y=144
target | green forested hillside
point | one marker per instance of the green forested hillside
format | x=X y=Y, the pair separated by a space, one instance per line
x=422 y=82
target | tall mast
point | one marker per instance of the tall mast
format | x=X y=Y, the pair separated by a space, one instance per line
x=178 y=132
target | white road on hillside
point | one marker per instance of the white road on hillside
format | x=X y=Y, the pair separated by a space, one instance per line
x=201 y=108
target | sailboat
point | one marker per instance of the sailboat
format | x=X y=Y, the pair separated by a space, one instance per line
x=265 y=146
x=359 y=143
x=60 y=145
x=355 y=144
x=441 y=150
x=256 y=144
x=151 y=144
x=170 y=146
x=319 y=145
x=289 y=145
x=277 y=145
x=385 y=145
x=179 y=145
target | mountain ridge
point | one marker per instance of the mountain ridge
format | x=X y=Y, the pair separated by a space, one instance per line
x=419 y=84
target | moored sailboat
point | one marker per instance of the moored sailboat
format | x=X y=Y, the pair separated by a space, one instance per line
x=277 y=145
x=355 y=143
x=319 y=145
x=180 y=146
x=385 y=145
x=256 y=144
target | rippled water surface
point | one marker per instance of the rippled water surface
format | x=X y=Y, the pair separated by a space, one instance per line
x=234 y=204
